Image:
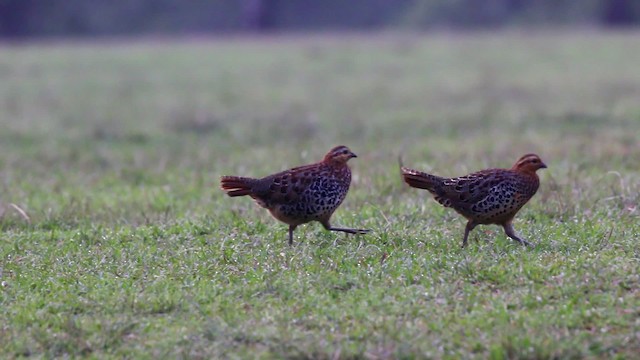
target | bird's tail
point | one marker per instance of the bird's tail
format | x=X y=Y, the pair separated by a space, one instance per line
x=237 y=186
x=419 y=179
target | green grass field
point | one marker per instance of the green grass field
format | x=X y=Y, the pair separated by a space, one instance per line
x=114 y=151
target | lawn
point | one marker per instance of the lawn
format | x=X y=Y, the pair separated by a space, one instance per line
x=114 y=151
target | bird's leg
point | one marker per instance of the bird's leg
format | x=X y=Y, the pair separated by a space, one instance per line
x=467 y=230
x=350 y=231
x=291 y=228
x=508 y=229
x=345 y=230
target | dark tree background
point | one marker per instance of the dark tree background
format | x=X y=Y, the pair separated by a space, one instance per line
x=38 y=18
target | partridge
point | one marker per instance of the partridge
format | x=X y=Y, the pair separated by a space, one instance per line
x=492 y=196
x=302 y=194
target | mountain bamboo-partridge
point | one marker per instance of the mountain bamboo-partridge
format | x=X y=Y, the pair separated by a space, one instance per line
x=302 y=194
x=491 y=196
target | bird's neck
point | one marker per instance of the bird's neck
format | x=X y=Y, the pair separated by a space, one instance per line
x=527 y=172
x=336 y=164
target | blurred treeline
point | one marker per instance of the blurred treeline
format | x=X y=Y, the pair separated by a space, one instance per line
x=35 y=18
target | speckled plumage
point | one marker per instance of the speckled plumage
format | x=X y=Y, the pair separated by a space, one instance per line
x=492 y=196
x=302 y=194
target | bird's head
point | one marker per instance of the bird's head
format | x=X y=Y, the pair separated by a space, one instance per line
x=529 y=163
x=339 y=155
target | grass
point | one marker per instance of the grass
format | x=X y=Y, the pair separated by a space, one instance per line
x=114 y=151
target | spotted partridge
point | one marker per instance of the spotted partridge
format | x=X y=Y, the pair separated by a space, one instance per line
x=491 y=196
x=302 y=194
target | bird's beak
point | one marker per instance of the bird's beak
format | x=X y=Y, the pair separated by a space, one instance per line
x=353 y=155
x=543 y=165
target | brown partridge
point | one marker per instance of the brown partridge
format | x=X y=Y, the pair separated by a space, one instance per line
x=302 y=194
x=492 y=196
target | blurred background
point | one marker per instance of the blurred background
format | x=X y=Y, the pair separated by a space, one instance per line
x=153 y=100
x=21 y=19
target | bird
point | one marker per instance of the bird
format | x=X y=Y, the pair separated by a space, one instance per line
x=301 y=194
x=491 y=196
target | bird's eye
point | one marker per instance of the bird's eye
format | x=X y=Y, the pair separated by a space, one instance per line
x=345 y=151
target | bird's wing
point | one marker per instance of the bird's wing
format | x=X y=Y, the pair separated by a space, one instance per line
x=287 y=186
x=502 y=198
x=465 y=191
